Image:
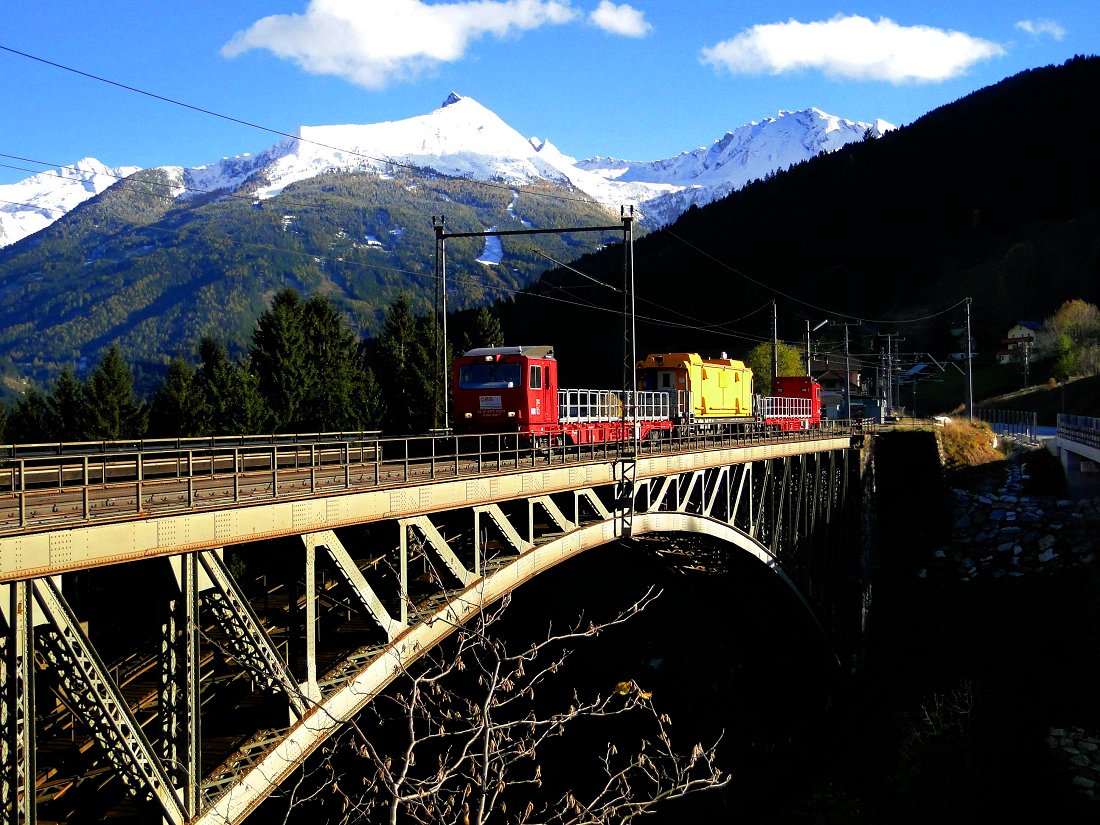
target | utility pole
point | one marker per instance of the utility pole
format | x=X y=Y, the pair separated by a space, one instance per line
x=809 y=371
x=847 y=377
x=441 y=235
x=1027 y=361
x=889 y=374
x=630 y=362
x=969 y=368
x=441 y=383
x=775 y=343
x=880 y=384
x=848 y=367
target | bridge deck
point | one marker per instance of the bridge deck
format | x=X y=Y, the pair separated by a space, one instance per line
x=63 y=513
x=322 y=639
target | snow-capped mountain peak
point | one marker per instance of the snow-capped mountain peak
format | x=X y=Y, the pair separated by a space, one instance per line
x=462 y=138
x=36 y=202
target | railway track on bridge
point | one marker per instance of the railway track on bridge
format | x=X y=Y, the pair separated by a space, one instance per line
x=56 y=491
x=53 y=487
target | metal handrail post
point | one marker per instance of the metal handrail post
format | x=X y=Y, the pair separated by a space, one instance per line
x=22 y=493
x=87 y=492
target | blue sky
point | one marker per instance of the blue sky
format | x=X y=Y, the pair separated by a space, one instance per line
x=639 y=80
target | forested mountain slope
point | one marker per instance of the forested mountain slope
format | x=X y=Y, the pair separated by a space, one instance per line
x=992 y=197
x=155 y=274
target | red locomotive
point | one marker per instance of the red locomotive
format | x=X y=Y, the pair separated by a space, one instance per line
x=515 y=390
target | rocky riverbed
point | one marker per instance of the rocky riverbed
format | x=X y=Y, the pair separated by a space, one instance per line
x=999 y=530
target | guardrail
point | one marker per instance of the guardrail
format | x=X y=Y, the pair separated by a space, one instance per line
x=55 y=448
x=1015 y=423
x=1079 y=428
x=45 y=487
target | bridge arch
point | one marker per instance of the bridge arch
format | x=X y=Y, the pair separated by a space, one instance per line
x=328 y=716
x=776 y=499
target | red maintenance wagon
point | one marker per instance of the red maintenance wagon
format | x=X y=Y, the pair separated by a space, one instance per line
x=795 y=403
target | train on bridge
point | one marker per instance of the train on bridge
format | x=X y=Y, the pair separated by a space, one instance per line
x=515 y=390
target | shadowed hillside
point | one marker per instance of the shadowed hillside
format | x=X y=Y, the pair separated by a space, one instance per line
x=991 y=197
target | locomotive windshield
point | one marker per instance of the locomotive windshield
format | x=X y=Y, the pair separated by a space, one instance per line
x=489 y=375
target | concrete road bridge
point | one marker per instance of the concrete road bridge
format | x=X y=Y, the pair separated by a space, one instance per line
x=147 y=586
x=1076 y=443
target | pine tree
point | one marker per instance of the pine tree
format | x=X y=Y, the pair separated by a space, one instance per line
x=335 y=368
x=113 y=411
x=179 y=406
x=32 y=420
x=403 y=366
x=69 y=408
x=486 y=331
x=369 y=400
x=232 y=400
x=279 y=360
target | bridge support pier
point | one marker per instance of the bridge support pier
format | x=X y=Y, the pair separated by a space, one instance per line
x=784 y=501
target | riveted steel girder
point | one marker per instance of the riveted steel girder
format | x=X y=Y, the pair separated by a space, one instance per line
x=179 y=683
x=17 y=745
x=92 y=692
x=354 y=579
x=248 y=641
x=767 y=501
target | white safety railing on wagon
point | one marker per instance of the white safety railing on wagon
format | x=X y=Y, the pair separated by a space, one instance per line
x=584 y=406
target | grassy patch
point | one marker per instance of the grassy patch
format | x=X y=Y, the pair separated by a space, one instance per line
x=967 y=444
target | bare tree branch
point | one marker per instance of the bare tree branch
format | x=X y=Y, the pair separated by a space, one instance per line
x=459 y=736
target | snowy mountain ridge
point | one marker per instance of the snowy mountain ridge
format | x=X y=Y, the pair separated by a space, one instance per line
x=36 y=202
x=462 y=138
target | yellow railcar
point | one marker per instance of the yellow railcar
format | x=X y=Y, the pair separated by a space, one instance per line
x=700 y=389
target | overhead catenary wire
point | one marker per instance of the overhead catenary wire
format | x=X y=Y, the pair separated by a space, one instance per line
x=490 y=184
x=834 y=312
x=253 y=125
x=696 y=324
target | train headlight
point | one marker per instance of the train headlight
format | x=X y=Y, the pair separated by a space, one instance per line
x=511 y=413
x=468 y=415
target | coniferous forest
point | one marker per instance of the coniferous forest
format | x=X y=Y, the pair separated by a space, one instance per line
x=990 y=198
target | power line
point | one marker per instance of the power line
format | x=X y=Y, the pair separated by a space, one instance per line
x=815 y=307
x=252 y=125
x=410 y=167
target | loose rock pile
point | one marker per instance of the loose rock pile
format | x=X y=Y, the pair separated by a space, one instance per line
x=1080 y=754
x=998 y=531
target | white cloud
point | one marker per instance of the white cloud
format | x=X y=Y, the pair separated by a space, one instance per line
x=1041 y=27
x=373 y=42
x=625 y=19
x=852 y=47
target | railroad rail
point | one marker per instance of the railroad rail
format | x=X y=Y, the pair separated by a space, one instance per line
x=54 y=486
x=147 y=716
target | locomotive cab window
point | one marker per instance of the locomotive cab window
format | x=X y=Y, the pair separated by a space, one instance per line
x=664 y=380
x=484 y=376
x=536 y=377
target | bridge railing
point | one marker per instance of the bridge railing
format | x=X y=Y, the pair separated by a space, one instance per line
x=46 y=486
x=1079 y=428
x=1022 y=424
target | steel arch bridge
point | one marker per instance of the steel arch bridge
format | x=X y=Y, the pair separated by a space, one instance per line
x=352 y=526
